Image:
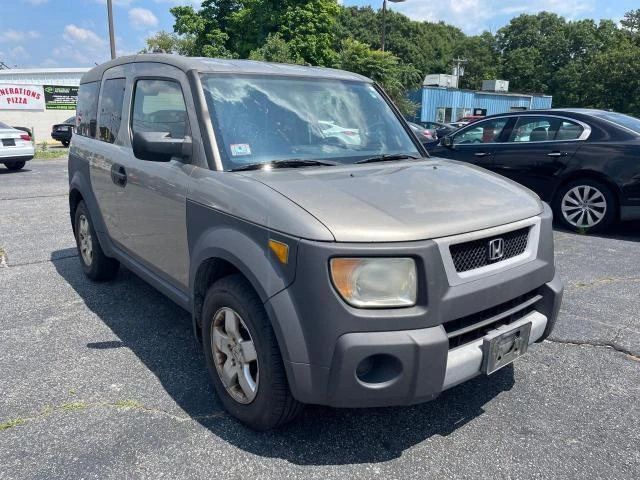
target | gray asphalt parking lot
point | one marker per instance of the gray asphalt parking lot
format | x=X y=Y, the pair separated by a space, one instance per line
x=105 y=380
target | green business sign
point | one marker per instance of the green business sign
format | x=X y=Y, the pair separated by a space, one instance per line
x=60 y=98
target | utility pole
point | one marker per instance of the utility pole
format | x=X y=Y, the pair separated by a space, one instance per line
x=384 y=21
x=112 y=40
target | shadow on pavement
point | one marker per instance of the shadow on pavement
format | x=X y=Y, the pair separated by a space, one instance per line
x=6 y=171
x=629 y=231
x=159 y=333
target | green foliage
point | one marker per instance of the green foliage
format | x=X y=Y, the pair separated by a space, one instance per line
x=169 y=43
x=276 y=49
x=580 y=63
x=382 y=67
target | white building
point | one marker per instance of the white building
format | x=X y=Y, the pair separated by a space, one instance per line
x=38 y=98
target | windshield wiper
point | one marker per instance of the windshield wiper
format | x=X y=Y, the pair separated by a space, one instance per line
x=389 y=158
x=289 y=163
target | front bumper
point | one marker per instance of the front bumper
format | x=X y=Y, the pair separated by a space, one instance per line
x=427 y=366
x=324 y=341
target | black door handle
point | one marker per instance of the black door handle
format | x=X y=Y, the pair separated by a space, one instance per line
x=118 y=175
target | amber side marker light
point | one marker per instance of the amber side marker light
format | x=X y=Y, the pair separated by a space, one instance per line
x=281 y=250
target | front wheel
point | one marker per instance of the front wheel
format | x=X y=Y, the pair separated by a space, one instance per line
x=65 y=143
x=243 y=357
x=15 y=166
x=585 y=206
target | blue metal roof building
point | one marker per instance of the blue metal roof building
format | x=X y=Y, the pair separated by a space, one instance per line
x=442 y=104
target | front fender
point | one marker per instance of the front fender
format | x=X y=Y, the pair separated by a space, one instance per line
x=213 y=234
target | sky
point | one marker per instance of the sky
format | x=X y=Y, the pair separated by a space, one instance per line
x=74 y=33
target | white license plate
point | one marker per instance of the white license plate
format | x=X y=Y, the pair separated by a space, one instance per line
x=504 y=345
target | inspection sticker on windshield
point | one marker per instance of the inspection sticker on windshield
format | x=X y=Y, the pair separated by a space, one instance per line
x=240 y=149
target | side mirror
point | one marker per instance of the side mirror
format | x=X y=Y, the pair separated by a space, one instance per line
x=160 y=146
x=447 y=142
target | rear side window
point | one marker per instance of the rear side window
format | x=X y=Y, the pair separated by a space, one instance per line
x=158 y=106
x=545 y=129
x=569 y=131
x=110 y=116
x=87 y=109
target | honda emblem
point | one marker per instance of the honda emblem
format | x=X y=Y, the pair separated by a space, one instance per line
x=496 y=249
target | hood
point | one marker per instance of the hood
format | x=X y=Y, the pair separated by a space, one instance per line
x=403 y=201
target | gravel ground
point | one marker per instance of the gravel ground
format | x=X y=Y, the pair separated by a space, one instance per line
x=105 y=380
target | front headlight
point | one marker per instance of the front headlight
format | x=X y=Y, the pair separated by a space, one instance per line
x=375 y=282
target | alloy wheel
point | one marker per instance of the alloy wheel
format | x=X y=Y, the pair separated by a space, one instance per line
x=584 y=206
x=84 y=240
x=234 y=355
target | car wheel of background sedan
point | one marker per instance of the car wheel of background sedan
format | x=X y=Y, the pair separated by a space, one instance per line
x=585 y=206
x=65 y=144
x=95 y=264
x=15 y=165
x=243 y=356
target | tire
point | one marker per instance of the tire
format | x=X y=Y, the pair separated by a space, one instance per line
x=95 y=264
x=271 y=403
x=15 y=166
x=594 y=213
x=65 y=143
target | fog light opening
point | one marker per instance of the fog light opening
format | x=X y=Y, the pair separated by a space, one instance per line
x=378 y=369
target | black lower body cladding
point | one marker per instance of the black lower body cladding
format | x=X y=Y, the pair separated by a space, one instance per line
x=348 y=357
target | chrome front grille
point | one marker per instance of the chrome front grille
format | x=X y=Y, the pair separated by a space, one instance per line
x=472 y=327
x=475 y=254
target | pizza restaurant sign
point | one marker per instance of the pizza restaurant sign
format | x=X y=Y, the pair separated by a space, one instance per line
x=21 y=97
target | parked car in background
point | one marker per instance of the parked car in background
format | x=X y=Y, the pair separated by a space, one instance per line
x=466 y=120
x=316 y=272
x=585 y=163
x=16 y=147
x=350 y=136
x=62 y=132
x=24 y=129
x=424 y=135
x=440 y=129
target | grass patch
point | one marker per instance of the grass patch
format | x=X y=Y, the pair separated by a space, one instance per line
x=50 y=153
x=126 y=404
x=74 y=406
x=12 y=423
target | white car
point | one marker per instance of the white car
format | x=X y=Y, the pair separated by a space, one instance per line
x=16 y=147
x=350 y=136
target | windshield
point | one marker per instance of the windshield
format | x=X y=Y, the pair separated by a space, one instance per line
x=627 y=121
x=261 y=119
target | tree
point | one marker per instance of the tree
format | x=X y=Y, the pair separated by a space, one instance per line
x=383 y=67
x=483 y=61
x=631 y=21
x=580 y=63
x=168 y=43
x=275 y=49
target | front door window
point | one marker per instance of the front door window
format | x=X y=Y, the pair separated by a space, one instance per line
x=487 y=131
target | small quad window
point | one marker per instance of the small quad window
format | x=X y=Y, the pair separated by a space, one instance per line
x=87 y=109
x=110 y=115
